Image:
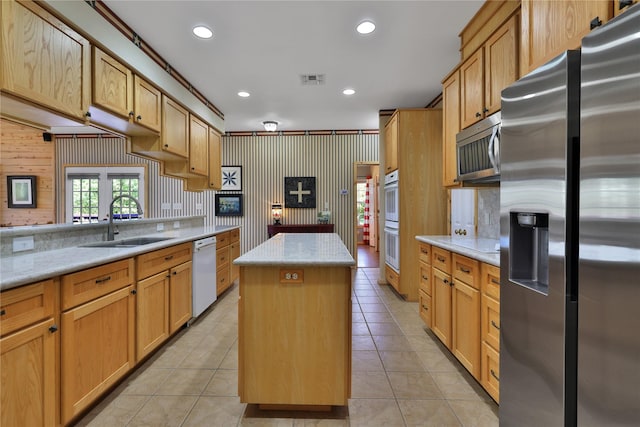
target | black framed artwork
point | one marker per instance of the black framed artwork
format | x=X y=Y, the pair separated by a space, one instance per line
x=300 y=192
x=21 y=191
x=228 y=205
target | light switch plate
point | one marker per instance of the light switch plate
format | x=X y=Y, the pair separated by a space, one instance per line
x=21 y=244
x=176 y=224
x=159 y=226
x=165 y=206
x=177 y=206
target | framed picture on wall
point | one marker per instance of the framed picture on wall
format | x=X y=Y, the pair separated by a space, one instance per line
x=231 y=178
x=228 y=205
x=21 y=191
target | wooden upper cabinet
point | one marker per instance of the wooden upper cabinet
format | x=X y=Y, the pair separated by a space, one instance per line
x=551 y=27
x=147 y=104
x=175 y=128
x=43 y=62
x=198 y=146
x=391 y=144
x=489 y=70
x=215 y=160
x=501 y=63
x=472 y=89
x=112 y=84
x=450 y=128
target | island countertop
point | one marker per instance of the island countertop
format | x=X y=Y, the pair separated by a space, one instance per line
x=321 y=249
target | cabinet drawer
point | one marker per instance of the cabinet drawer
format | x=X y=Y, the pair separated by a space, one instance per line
x=222 y=239
x=466 y=270
x=425 y=278
x=234 y=235
x=490 y=281
x=222 y=280
x=222 y=257
x=392 y=277
x=424 y=303
x=163 y=259
x=26 y=305
x=86 y=285
x=490 y=378
x=424 y=253
x=441 y=259
x=490 y=322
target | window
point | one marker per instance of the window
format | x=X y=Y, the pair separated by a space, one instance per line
x=361 y=195
x=90 y=191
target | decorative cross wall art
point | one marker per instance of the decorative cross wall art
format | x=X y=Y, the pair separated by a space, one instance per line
x=300 y=192
x=231 y=178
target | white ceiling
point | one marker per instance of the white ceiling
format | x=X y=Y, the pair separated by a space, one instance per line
x=264 y=46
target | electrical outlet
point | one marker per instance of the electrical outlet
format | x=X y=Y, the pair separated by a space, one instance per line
x=159 y=226
x=198 y=206
x=176 y=224
x=21 y=244
x=289 y=275
x=165 y=206
x=177 y=206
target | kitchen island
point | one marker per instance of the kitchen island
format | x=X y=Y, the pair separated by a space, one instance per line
x=294 y=323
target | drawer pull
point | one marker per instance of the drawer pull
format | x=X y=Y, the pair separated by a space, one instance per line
x=104 y=279
x=441 y=259
x=494 y=325
x=493 y=374
x=167 y=258
x=425 y=278
x=425 y=308
x=424 y=251
x=465 y=270
x=445 y=281
x=3 y=312
x=174 y=273
x=495 y=282
x=53 y=328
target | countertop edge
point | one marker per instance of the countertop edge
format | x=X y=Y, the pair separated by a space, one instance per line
x=98 y=256
x=489 y=258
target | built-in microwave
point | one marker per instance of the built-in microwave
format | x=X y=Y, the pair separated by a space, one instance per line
x=478 y=151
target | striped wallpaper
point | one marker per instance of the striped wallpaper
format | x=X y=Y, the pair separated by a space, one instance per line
x=265 y=161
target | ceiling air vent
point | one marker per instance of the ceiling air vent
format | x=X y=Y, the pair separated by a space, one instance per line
x=312 y=79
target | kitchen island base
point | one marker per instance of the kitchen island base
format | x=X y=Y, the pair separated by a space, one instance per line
x=295 y=336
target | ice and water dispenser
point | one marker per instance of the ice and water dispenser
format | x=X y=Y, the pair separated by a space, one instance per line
x=529 y=250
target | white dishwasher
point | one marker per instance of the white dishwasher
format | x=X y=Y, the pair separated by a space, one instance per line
x=203 y=281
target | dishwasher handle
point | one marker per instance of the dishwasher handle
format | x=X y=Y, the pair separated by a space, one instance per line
x=204 y=243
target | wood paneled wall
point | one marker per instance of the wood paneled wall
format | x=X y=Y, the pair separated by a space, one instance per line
x=24 y=152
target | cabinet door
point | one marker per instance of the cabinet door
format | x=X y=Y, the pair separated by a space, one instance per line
x=466 y=327
x=152 y=313
x=490 y=329
x=179 y=296
x=112 y=84
x=215 y=160
x=198 y=146
x=43 y=60
x=424 y=306
x=450 y=128
x=98 y=339
x=29 y=365
x=147 y=104
x=175 y=128
x=491 y=371
x=551 y=27
x=391 y=144
x=463 y=212
x=441 y=306
x=471 y=89
x=501 y=62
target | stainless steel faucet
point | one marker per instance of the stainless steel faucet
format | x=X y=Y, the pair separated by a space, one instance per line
x=110 y=233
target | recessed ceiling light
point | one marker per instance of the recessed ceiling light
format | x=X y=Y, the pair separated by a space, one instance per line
x=202 y=32
x=348 y=91
x=244 y=94
x=366 y=27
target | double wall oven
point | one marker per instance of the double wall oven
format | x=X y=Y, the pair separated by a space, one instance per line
x=392 y=224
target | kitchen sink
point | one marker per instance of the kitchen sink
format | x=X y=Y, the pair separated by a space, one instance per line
x=126 y=243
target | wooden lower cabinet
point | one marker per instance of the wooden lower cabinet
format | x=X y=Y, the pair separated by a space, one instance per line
x=180 y=296
x=490 y=329
x=152 y=313
x=424 y=304
x=490 y=377
x=98 y=339
x=29 y=376
x=466 y=326
x=441 y=317
x=227 y=250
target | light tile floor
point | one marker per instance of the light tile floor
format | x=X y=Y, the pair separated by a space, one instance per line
x=402 y=375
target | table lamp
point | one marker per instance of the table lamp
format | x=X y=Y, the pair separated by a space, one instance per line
x=276 y=212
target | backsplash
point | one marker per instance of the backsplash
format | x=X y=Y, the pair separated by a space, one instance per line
x=489 y=213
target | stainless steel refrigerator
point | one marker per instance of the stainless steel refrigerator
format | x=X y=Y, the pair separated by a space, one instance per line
x=570 y=236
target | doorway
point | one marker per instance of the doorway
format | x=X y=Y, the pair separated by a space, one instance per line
x=366 y=213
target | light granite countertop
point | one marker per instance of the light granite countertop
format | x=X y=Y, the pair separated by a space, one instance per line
x=21 y=269
x=482 y=249
x=322 y=249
